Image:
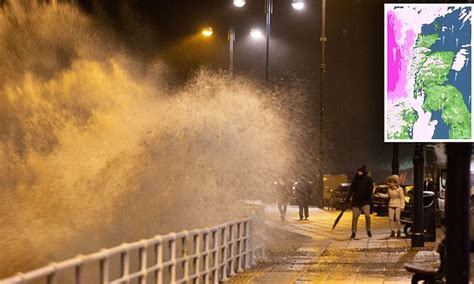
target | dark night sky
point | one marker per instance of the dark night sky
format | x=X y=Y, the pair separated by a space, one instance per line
x=353 y=97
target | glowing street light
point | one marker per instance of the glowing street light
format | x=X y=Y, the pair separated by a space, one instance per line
x=297 y=4
x=256 y=34
x=207 y=32
x=239 y=3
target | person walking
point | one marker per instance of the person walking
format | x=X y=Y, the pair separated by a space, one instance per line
x=395 y=205
x=284 y=196
x=361 y=194
x=303 y=197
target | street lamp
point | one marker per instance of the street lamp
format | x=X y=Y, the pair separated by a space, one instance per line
x=297 y=4
x=207 y=32
x=239 y=3
x=256 y=34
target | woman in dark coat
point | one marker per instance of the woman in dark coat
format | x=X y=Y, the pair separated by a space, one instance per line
x=361 y=192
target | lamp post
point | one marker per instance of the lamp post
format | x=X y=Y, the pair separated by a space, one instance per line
x=395 y=163
x=322 y=40
x=417 y=238
x=231 y=39
x=268 y=22
x=458 y=193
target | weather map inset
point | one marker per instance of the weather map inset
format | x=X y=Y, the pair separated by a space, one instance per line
x=428 y=73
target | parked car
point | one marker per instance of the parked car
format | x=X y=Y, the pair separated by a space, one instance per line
x=380 y=204
x=330 y=185
x=339 y=195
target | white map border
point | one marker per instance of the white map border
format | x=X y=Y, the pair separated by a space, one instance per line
x=391 y=6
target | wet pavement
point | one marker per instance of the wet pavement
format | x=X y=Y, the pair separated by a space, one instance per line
x=310 y=252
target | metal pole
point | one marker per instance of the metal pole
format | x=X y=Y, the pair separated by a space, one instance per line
x=457 y=212
x=417 y=238
x=231 y=39
x=322 y=40
x=268 y=12
x=395 y=164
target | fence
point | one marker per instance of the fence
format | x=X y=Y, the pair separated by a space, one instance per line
x=200 y=256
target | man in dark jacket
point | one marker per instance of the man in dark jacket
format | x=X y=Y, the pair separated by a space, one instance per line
x=303 y=197
x=361 y=192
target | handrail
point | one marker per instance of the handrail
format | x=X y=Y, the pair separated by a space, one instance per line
x=207 y=255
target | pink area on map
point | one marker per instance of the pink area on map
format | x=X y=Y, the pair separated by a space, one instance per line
x=397 y=57
x=393 y=52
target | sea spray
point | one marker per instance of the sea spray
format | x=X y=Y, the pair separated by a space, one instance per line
x=93 y=155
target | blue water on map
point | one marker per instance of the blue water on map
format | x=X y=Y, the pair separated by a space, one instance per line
x=441 y=129
x=453 y=34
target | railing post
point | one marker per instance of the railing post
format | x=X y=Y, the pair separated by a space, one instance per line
x=215 y=255
x=207 y=255
x=125 y=262
x=223 y=249
x=172 y=245
x=104 y=268
x=143 y=262
x=52 y=278
x=185 y=254
x=197 y=256
x=247 y=255
x=78 y=272
x=159 y=262
x=231 y=249
x=240 y=254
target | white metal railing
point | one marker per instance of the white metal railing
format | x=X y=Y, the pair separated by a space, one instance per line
x=199 y=256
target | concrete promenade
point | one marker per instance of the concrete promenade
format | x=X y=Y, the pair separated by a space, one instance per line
x=309 y=252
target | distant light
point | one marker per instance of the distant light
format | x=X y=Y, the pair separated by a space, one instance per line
x=297 y=4
x=239 y=3
x=207 y=32
x=256 y=33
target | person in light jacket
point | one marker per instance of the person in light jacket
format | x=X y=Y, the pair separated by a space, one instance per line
x=395 y=205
